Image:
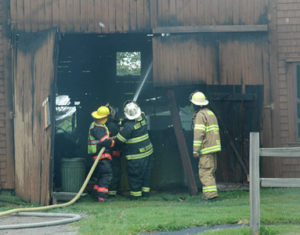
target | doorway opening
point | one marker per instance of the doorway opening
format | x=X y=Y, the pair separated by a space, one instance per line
x=96 y=69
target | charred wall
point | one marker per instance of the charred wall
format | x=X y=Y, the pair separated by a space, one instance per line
x=102 y=16
x=6 y=131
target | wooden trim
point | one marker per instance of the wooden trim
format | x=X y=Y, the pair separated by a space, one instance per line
x=212 y=29
x=279 y=152
x=183 y=149
x=280 y=182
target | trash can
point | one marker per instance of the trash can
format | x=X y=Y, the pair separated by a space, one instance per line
x=72 y=174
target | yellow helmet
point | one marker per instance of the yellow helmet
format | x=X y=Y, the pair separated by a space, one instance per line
x=102 y=112
x=198 y=98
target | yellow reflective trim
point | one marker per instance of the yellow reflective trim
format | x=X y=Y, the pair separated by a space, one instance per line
x=113 y=192
x=138 y=139
x=140 y=124
x=121 y=138
x=136 y=193
x=197 y=143
x=212 y=128
x=146 y=189
x=200 y=127
x=209 y=112
x=215 y=148
x=209 y=188
x=139 y=155
x=148 y=147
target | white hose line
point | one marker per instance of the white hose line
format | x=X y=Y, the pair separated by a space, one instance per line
x=30 y=211
x=69 y=219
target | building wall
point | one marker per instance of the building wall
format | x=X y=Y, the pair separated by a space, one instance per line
x=285 y=57
x=208 y=12
x=101 y=16
x=213 y=59
x=114 y=16
x=6 y=156
x=110 y=16
x=288 y=41
x=34 y=56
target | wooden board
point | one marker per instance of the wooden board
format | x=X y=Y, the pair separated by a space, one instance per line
x=7 y=175
x=33 y=82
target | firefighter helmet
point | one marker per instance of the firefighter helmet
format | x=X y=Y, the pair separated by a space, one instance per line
x=132 y=110
x=198 y=98
x=102 y=112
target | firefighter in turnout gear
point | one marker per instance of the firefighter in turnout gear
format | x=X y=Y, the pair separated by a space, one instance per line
x=206 y=144
x=138 y=150
x=113 y=125
x=98 y=138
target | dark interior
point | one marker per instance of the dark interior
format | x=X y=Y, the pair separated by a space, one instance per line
x=87 y=74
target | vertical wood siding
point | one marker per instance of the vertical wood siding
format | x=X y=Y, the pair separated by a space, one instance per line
x=6 y=155
x=132 y=15
x=214 y=60
x=207 y=12
x=33 y=79
x=99 y=16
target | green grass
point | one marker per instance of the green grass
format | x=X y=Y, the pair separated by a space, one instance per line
x=167 y=212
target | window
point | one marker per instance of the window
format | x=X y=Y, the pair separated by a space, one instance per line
x=128 y=63
x=65 y=115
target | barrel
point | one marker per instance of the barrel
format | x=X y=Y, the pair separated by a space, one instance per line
x=72 y=174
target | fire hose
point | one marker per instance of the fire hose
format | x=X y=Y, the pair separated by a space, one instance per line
x=26 y=211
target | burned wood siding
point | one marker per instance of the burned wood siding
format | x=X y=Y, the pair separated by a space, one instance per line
x=99 y=16
x=33 y=78
x=239 y=59
x=6 y=155
x=208 y=12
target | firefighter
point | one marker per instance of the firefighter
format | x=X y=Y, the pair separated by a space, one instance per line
x=113 y=125
x=206 y=144
x=98 y=138
x=137 y=148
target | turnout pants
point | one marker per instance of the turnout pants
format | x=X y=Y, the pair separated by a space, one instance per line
x=207 y=168
x=104 y=175
x=139 y=176
x=116 y=177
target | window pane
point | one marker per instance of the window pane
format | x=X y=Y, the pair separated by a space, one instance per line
x=128 y=63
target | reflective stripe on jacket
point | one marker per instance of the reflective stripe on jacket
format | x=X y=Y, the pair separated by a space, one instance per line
x=98 y=138
x=206 y=132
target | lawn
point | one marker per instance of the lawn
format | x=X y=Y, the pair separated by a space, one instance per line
x=167 y=212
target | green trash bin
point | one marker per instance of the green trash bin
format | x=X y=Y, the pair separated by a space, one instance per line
x=72 y=174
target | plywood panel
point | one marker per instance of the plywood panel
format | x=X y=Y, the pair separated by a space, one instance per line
x=33 y=79
x=222 y=60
